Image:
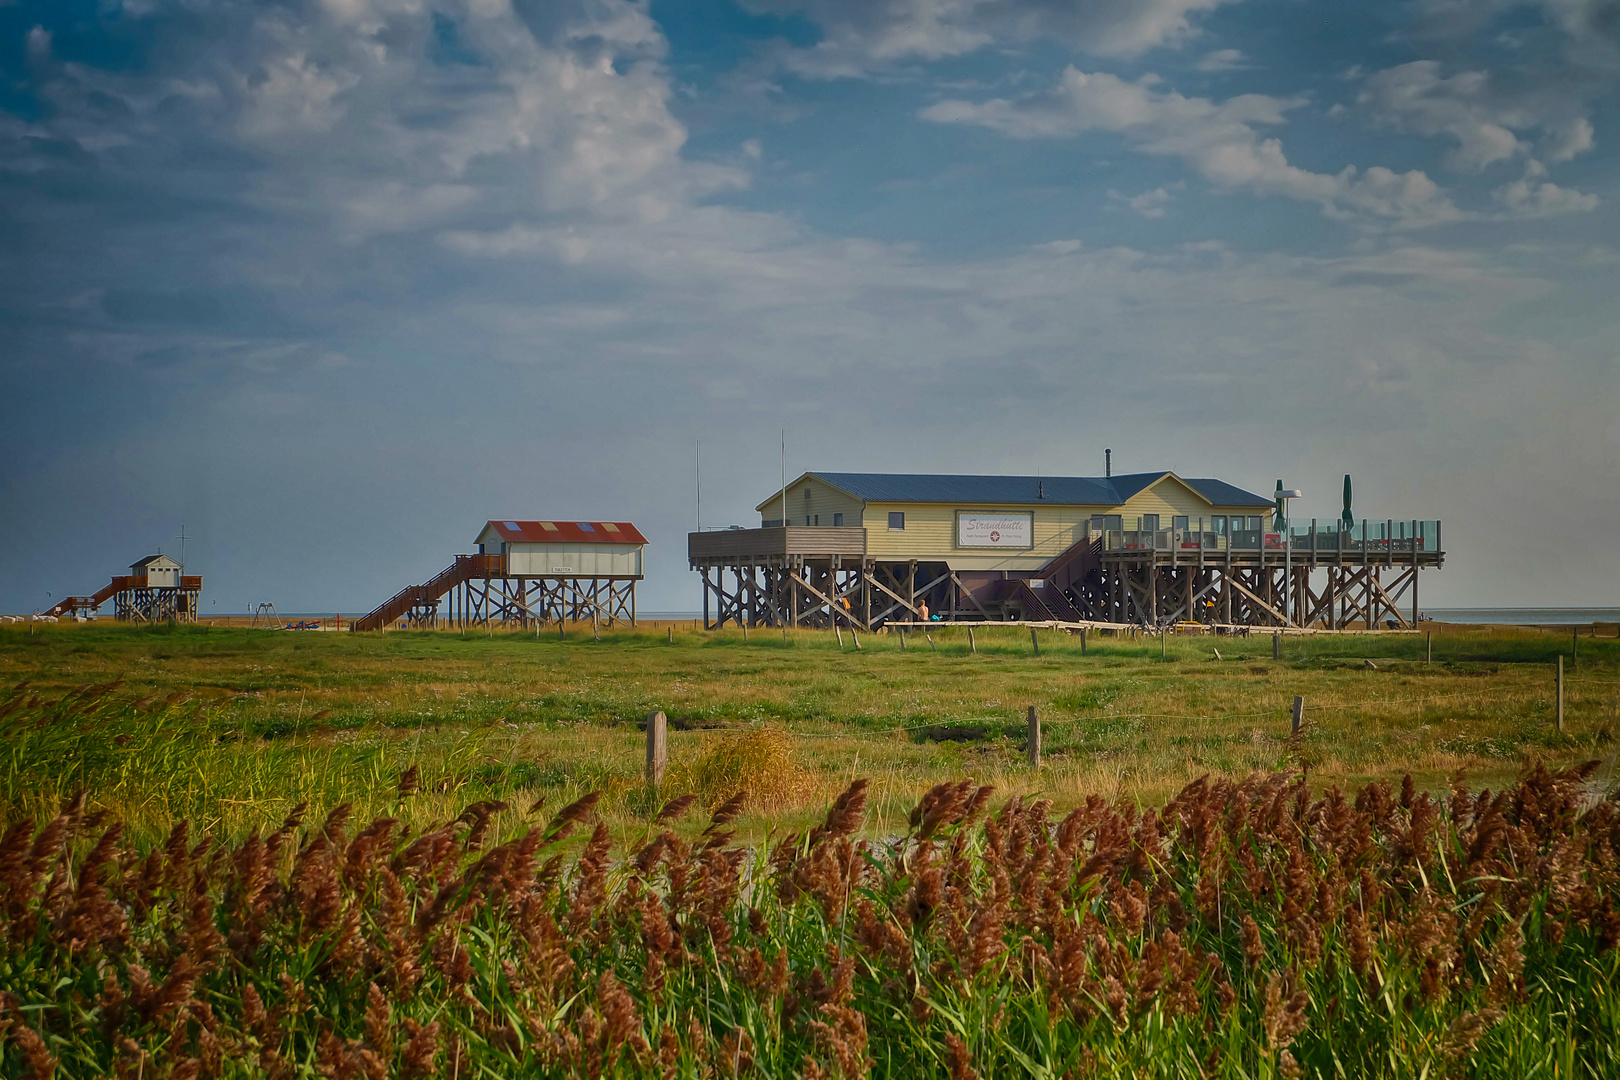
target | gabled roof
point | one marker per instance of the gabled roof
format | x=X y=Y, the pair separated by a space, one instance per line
x=565 y=532
x=1105 y=491
x=150 y=559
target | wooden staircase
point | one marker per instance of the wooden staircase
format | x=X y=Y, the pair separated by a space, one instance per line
x=86 y=605
x=416 y=599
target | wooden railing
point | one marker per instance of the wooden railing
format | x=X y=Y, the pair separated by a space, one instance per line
x=465 y=568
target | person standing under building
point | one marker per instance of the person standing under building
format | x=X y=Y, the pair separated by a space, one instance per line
x=922 y=611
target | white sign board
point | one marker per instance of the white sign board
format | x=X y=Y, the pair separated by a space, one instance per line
x=975 y=529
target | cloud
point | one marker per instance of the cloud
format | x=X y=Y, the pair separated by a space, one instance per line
x=1588 y=19
x=38 y=44
x=1534 y=198
x=1220 y=140
x=859 y=36
x=1152 y=205
x=1478 y=111
x=291 y=93
x=1585 y=23
x=1223 y=60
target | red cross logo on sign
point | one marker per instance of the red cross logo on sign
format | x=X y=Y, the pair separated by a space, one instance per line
x=995 y=536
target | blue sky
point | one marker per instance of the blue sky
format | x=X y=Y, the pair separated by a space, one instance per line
x=334 y=281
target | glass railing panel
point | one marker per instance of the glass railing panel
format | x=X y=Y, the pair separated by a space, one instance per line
x=1368 y=537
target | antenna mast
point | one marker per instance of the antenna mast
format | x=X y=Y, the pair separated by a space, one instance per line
x=784 y=478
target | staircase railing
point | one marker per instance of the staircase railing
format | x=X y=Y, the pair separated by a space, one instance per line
x=88 y=604
x=1035 y=609
x=1062 y=569
x=463 y=569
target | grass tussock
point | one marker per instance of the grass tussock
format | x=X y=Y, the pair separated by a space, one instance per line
x=757 y=766
x=1243 y=930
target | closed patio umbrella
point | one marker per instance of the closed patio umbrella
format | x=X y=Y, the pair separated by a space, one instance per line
x=1347 y=518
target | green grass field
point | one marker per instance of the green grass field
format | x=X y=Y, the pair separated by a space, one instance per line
x=232 y=727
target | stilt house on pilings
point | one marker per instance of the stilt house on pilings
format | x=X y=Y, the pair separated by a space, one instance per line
x=528 y=573
x=1148 y=548
x=156 y=589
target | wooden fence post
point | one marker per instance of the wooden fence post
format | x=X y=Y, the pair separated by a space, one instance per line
x=672 y=635
x=1082 y=641
x=1276 y=646
x=840 y=634
x=931 y=646
x=972 y=648
x=1428 y=647
x=1560 y=688
x=1299 y=713
x=657 y=747
x=857 y=639
x=745 y=631
x=1034 y=642
x=1034 y=738
x=1575 y=648
x=902 y=637
x=1164 y=646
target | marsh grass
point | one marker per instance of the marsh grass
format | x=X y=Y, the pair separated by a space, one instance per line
x=231 y=728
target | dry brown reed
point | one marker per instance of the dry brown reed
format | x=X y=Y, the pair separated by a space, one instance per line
x=1248 y=926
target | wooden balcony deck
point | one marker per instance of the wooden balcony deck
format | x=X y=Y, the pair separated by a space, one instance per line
x=726 y=546
x=1385 y=543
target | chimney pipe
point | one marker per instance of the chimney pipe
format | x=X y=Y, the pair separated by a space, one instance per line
x=1108 y=463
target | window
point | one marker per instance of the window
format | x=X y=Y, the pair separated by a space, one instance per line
x=1150 y=522
x=897 y=519
x=818 y=519
x=1217 y=525
x=1179 y=522
x=838 y=519
x=807 y=519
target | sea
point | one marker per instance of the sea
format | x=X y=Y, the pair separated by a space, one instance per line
x=1523 y=616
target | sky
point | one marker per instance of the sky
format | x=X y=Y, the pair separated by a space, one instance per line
x=329 y=283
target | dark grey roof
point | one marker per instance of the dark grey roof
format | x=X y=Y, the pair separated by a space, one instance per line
x=1058 y=490
x=150 y=559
